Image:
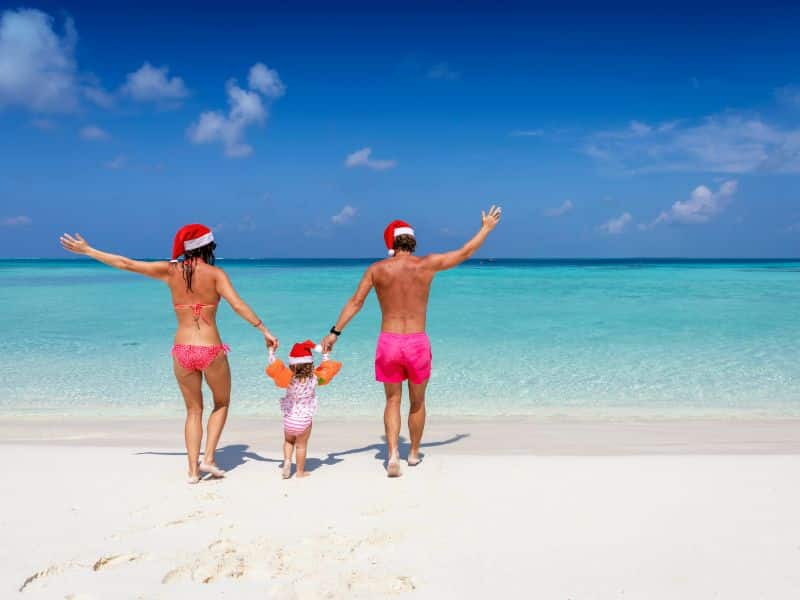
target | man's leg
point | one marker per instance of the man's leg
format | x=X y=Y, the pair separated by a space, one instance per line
x=416 y=419
x=391 y=421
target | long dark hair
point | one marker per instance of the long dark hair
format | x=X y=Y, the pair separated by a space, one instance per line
x=206 y=253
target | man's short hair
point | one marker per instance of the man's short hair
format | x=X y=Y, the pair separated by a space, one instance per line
x=405 y=243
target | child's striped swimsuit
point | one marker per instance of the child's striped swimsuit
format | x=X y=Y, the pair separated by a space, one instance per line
x=299 y=405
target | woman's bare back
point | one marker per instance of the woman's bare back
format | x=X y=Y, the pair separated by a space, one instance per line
x=196 y=324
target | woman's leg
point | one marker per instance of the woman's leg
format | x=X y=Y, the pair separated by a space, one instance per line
x=218 y=377
x=191 y=384
x=288 y=450
x=301 y=445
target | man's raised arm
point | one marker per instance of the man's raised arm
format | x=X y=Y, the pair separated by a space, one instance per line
x=448 y=260
x=349 y=311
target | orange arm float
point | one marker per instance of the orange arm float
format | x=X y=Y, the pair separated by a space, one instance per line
x=280 y=373
x=326 y=371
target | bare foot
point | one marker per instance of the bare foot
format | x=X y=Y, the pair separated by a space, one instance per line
x=414 y=460
x=192 y=479
x=211 y=468
x=393 y=468
x=301 y=474
x=286 y=472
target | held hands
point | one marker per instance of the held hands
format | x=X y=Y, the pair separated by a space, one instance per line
x=493 y=218
x=271 y=341
x=76 y=244
x=327 y=342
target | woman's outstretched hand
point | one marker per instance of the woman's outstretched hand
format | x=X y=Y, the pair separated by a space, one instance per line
x=271 y=341
x=76 y=244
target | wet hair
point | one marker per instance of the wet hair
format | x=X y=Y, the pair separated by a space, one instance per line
x=303 y=370
x=405 y=243
x=205 y=253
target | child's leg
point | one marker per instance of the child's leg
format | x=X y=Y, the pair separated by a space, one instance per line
x=288 y=449
x=302 y=444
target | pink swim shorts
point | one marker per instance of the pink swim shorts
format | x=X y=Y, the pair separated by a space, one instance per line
x=401 y=356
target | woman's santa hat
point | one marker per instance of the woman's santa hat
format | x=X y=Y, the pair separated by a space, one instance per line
x=191 y=237
x=301 y=352
x=394 y=230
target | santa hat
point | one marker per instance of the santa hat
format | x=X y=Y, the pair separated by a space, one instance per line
x=301 y=352
x=191 y=237
x=393 y=230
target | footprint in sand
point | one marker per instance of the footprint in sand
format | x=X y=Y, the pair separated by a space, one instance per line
x=106 y=562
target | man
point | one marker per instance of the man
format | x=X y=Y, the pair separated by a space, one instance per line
x=403 y=283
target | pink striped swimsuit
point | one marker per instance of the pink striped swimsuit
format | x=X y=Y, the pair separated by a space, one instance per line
x=299 y=404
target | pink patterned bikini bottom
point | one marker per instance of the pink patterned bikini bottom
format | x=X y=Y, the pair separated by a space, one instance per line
x=197 y=358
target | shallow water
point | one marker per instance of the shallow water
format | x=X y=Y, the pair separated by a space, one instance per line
x=599 y=338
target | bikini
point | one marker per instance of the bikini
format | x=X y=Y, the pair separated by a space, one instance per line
x=194 y=357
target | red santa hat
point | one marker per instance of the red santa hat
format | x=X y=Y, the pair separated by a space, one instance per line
x=301 y=352
x=393 y=230
x=191 y=237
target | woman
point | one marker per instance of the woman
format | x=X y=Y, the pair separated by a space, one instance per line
x=196 y=286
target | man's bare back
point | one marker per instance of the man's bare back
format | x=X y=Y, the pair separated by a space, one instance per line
x=403 y=285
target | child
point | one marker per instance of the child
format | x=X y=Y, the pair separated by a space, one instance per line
x=300 y=379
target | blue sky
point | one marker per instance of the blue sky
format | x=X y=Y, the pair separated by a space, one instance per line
x=626 y=131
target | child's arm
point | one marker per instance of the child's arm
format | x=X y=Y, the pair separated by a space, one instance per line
x=279 y=372
x=327 y=370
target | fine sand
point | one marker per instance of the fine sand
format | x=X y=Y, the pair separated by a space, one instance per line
x=515 y=508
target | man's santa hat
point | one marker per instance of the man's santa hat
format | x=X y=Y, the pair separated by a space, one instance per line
x=191 y=237
x=301 y=352
x=396 y=229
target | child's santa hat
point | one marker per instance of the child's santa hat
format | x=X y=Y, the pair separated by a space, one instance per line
x=190 y=237
x=393 y=230
x=301 y=352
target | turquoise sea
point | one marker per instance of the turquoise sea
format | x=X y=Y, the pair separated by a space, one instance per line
x=510 y=337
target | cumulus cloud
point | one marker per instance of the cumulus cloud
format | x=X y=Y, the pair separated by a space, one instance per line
x=616 y=225
x=725 y=143
x=558 y=211
x=345 y=215
x=93 y=133
x=117 y=163
x=246 y=107
x=527 y=133
x=17 y=221
x=701 y=207
x=153 y=84
x=266 y=80
x=442 y=70
x=361 y=158
x=37 y=65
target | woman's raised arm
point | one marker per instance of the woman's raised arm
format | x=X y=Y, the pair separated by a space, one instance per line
x=78 y=245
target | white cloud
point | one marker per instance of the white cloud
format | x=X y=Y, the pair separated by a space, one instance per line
x=266 y=80
x=616 y=225
x=345 y=215
x=37 y=65
x=725 y=143
x=361 y=158
x=559 y=211
x=93 y=133
x=246 y=108
x=17 y=221
x=153 y=84
x=442 y=70
x=117 y=163
x=527 y=133
x=701 y=207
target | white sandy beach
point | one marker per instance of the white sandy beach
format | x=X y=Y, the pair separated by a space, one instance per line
x=559 y=509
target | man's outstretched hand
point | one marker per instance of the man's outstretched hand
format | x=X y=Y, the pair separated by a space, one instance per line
x=491 y=219
x=328 y=341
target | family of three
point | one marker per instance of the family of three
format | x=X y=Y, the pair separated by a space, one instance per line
x=402 y=283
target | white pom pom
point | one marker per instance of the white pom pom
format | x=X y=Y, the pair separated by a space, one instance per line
x=317 y=348
x=391 y=252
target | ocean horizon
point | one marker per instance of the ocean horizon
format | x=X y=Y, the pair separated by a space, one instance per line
x=607 y=338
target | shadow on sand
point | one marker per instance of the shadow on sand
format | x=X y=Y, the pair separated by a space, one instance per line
x=235 y=455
